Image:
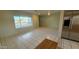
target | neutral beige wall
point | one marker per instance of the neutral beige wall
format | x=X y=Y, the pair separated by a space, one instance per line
x=51 y=21
x=60 y=28
x=7 y=27
x=35 y=21
x=54 y=22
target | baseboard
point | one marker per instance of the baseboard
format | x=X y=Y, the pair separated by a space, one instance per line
x=69 y=39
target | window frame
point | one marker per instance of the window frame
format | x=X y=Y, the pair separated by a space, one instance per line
x=20 y=22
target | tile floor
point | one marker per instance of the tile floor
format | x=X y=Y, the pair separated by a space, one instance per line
x=32 y=39
x=68 y=44
x=28 y=40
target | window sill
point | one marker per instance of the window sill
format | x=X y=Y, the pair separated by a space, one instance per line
x=25 y=27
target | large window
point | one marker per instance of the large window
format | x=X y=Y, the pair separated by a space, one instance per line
x=21 y=21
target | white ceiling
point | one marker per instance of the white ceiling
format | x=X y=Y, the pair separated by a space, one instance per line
x=42 y=12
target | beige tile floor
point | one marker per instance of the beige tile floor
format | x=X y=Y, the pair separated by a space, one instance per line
x=32 y=39
x=28 y=40
x=68 y=44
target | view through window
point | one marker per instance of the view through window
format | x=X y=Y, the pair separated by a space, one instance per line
x=21 y=21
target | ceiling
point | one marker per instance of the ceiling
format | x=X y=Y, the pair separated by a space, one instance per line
x=45 y=12
x=42 y=12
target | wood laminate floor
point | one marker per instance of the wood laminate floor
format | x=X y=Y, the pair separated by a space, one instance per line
x=47 y=44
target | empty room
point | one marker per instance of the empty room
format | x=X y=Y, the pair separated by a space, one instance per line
x=39 y=29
